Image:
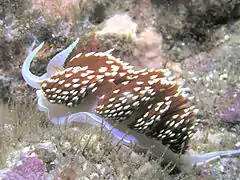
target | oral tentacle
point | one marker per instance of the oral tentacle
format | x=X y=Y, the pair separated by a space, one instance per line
x=31 y=79
x=56 y=62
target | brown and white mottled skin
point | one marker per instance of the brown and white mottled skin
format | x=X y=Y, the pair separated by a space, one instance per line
x=84 y=75
x=149 y=105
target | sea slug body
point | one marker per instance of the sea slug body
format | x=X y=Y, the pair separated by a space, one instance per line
x=97 y=88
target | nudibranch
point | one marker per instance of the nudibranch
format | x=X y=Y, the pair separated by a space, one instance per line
x=147 y=108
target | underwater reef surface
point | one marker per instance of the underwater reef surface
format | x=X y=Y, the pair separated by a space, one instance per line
x=199 y=41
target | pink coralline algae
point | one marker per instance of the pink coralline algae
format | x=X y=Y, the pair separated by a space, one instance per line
x=30 y=168
x=230 y=109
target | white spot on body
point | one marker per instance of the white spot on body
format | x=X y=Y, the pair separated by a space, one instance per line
x=100 y=77
x=109 y=62
x=111 y=80
x=68 y=75
x=150 y=106
x=120 y=113
x=89 y=54
x=84 y=74
x=116 y=91
x=126 y=107
x=134 y=98
x=120 y=108
x=75 y=98
x=75 y=93
x=124 y=101
x=91 y=77
x=75 y=80
x=122 y=98
x=107 y=74
x=59 y=97
x=113 y=111
x=172 y=123
x=144 y=73
x=92 y=85
x=44 y=85
x=167 y=98
x=111 y=99
x=153 y=76
x=61 y=82
x=136 y=89
x=143 y=92
x=136 y=103
x=115 y=68
x=76 y=69
x=125 y=82
x=54 y=96
x=61 y=73
x=175 y=116
x=94 y=89
x=85 y=82
x=67 y=85
x=128 y=112
x=139 y=83
x=109 y=106
x=122 y=74
x=103 y=69
x=117 y=105
x=78 y=55
x=114 y=73
x=76 y=85
x=53 y=89
x=65 y=92
x=69 y=69
x=106 y=111
x=146 y=114
x=50 y=80
x=82 y=90
x=84 y=68
x=56 y=80
x=70 y=104
x=158 y=118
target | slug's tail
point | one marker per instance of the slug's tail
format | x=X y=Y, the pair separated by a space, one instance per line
x=202 y=159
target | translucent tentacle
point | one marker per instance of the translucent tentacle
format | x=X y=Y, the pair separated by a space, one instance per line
x=56 y=62
x=30 y=78
x=59 y=60
x=202 y=159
